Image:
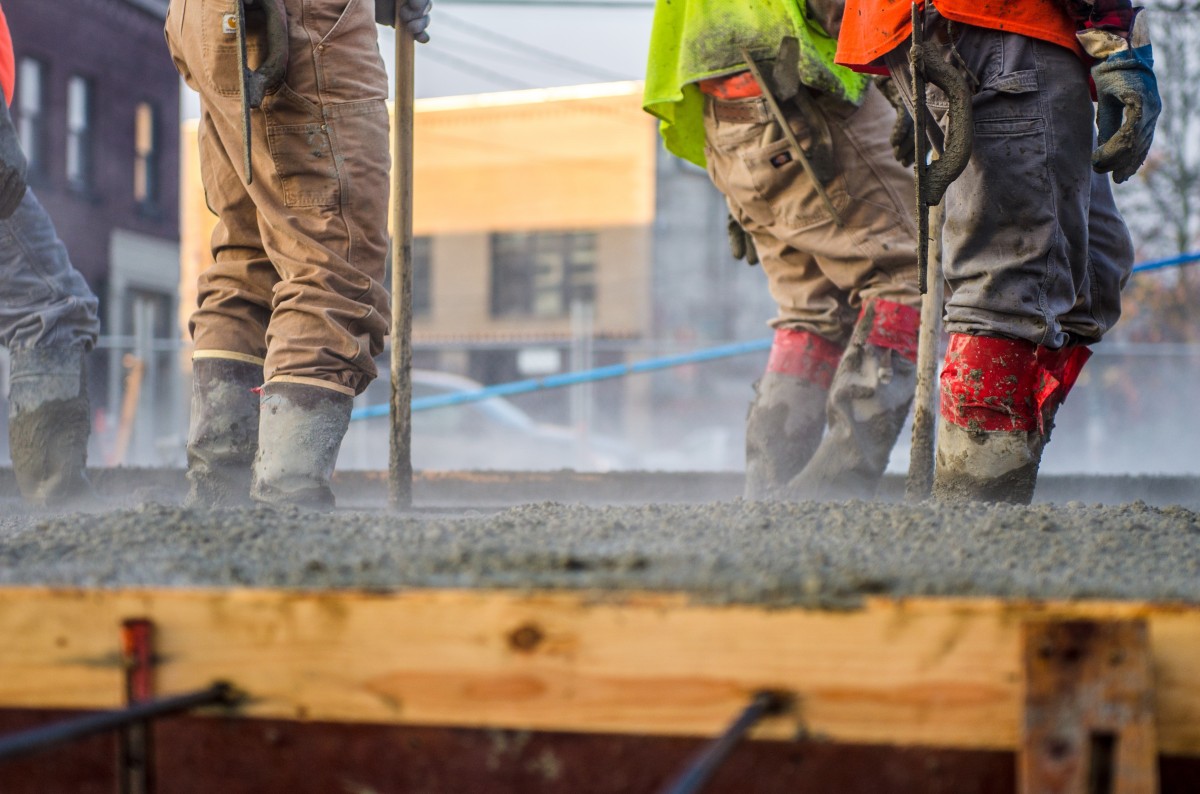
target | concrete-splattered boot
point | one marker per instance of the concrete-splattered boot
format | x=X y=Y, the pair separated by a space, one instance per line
x=999 y=398
x=49 y=422
x=223 y=436
x=787 y=418
x=869 y=400
x=300 y=431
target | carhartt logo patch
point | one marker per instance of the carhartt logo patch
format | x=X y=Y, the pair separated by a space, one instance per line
x=229 y=24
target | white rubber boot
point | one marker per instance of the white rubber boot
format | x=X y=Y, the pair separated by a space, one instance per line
x=300 y=431
x=223 y=435
x=49 y=422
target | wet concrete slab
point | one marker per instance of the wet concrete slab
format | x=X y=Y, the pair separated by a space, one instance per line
x=723 y=551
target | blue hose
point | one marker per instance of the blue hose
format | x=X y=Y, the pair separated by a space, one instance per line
x=570 y=378
x=649 y=365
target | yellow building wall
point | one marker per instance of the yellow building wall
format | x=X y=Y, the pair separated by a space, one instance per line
x=574 y=158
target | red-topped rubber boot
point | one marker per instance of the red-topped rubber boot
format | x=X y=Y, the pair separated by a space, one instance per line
x=787 y=417
x=869 y=399
x=998 y=403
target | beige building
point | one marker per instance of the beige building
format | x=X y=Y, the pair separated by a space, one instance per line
x=525 y=202
x=552 y=233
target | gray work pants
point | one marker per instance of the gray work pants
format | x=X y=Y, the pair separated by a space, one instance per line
x=44 y=301
x=1033 y=245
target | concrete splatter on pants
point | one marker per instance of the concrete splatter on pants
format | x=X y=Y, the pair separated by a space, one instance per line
x=1033 y=245
x=299 y=254
x=44 y=301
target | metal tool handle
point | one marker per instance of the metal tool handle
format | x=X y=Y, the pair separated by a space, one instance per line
x=960 y=124
x=256 y=83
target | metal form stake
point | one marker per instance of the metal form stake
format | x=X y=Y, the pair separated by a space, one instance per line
x=705 y=765
x=1088 y=725
x=135 y=759
x=400 y=457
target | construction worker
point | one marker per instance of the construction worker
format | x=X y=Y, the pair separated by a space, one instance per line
x=293 y=311
x=1034 y=249
x=838 y=250
x=48 y=322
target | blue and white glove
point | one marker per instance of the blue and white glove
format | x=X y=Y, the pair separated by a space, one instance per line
x=414 y=14
x=1127 y=101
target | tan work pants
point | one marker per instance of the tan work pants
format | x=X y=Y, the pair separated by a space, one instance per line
x=299 y=254
x=820 y=275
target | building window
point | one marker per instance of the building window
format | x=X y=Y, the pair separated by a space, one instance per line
x=422 y=275
x=145 y=150
x=540 y=274
x=31 y=113
x=79 y=133
x=422 y=264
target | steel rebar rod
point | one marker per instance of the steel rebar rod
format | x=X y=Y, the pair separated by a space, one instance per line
x=704 y=766
x=219 y=693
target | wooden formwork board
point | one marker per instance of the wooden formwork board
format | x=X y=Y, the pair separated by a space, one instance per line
x=940 y=672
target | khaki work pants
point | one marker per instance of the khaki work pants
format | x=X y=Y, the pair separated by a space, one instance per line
x=820 y=275
x=299 y=254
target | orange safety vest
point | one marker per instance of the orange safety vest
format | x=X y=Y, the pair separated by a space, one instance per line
x=8 y=62
x=872 y=28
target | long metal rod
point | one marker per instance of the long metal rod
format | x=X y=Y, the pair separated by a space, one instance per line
x=219 y=693
x=919 y=484
x=700 y=771
x=400 y=457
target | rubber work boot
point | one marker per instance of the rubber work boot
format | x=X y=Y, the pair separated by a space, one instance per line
x=869 y=400
x=49 y=422
x=787 y=418
x=999 y=399
x=223 y=436
x=300 y=431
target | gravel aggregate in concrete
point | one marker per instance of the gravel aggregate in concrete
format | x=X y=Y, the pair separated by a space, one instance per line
x=729 y=552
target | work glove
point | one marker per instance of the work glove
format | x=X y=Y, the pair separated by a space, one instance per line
x=903 y=141
x=13 y=164
x=741 y=244
x=413 y=13
x=1127 y=101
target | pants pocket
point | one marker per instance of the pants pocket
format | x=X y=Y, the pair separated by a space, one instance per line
x=781 y=181
x=218 y=35
x=302 y=151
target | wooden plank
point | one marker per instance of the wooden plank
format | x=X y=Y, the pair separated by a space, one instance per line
x=1088 y=726
x=932 y=672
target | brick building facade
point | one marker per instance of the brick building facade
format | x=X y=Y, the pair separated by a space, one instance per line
x=97 y=107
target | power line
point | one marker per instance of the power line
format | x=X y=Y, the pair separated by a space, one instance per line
x=474 y=69
x=527 y=49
